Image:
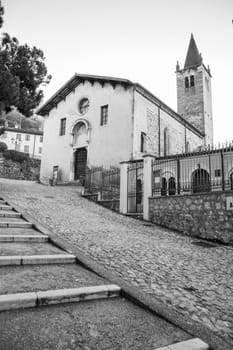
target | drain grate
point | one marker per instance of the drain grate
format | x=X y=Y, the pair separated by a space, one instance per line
x=204 y=244
x=50 y=197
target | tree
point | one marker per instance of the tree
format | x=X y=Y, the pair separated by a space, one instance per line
x=1 y=14
x=22 y=72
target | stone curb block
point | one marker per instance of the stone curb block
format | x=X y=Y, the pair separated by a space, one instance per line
x=16 y=224
x=18 y=300
x=24 y=238
x=5 y=207
x=37 y=299
x=10 y=214
x=48 y=259
x=10 y=260
x=37 y=259
x=77 y=294
x=192 y=344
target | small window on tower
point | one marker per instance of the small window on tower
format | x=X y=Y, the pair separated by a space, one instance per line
x=192 y=80
x=186 y=82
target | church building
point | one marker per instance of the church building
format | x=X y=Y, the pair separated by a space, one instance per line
x=100 y=121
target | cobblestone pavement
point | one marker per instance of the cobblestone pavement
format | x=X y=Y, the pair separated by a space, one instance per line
x=195 y=280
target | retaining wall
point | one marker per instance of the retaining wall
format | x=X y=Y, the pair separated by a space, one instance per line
x=200 y=215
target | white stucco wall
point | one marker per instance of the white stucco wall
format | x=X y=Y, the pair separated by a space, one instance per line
x=108 y=144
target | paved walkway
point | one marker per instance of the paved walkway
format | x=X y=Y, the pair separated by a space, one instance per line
x=196 y=280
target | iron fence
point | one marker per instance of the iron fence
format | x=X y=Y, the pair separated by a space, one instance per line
x=106 y=182
x=196 y=172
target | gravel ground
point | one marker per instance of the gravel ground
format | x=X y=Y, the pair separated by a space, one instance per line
x=113 y=324
x=195 y=280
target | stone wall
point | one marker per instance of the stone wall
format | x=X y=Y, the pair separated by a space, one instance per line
x=197 y=215
x=18 y=171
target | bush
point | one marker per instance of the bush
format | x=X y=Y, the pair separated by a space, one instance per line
x=3 y=146
x=16 y=156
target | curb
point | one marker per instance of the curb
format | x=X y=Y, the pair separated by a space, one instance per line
x=59 y=296
x=153 y=304
x=37 y=259
x=192 y=344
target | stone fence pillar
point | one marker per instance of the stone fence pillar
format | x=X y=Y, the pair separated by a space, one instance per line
x=147 y=179
x=123 y=187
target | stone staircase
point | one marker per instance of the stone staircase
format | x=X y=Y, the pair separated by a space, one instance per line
x=42 y=299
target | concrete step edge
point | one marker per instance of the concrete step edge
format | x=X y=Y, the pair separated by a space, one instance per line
x=9 y=260
x=16 y=224
x=13 y=214
x=191 y=344
x=24 y=238
x=51 y=297
x=5 y=207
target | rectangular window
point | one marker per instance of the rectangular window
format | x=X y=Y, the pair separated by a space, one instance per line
x=40 y=150
x=41 y=138
x=27 y=137
x=217 y=172
x=104 y=115
x=192 y=80
x=18 y=137
x=26 y=149
x=63 y=126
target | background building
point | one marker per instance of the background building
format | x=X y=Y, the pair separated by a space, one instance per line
x=27 y=141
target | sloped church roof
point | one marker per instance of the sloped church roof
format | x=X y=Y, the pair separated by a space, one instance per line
x=77 y=79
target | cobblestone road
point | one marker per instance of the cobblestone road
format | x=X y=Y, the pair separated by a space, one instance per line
x=195 y=280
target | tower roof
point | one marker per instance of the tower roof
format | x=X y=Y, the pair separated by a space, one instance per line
x=193 y=57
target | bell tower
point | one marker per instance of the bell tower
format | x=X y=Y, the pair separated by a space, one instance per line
x=194 y=101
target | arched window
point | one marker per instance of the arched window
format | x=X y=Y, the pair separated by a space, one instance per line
x=166 y=142
x=200 y=181
x=186 y=82
x=171 y=186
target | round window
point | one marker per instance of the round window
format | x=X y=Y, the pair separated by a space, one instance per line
x=83 y=105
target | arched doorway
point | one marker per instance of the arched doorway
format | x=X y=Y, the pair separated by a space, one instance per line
x=172 y=186
x=200 y=181
x=80 y=163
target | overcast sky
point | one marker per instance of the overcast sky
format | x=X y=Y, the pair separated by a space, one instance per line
x=140 y=40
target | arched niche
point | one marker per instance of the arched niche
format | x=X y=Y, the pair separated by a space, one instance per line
x=80 y=134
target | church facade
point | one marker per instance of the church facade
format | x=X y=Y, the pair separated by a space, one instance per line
x=101 y=121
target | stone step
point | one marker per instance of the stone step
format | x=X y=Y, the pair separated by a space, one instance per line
x=24 y=238
x=34 y=278
x=37 y=259
x=27 y=248
x=9 y=214
x=57 y=296
x=5 y=207
x=112 y=323
x=17 y=223
x=18 y=231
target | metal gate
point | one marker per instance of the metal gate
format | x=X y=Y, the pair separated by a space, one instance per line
x=135 y=187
